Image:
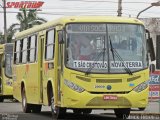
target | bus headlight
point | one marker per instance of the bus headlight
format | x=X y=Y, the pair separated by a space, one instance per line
x=141 y=87
x=73 y=86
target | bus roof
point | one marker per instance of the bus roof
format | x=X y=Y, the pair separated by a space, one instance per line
x=78 y=19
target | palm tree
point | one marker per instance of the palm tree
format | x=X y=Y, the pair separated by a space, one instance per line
x=26 y=20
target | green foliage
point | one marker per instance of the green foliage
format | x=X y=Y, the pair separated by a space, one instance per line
x=27 y=19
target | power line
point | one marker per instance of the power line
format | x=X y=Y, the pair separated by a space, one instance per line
x=69 y=13
x=96 y=10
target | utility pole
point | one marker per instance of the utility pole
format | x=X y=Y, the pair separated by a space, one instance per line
x=5 y=21
x=119 y=11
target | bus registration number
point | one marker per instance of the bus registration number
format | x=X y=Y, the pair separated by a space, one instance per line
x=110 y=97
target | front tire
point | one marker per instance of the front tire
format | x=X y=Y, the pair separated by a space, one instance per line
x=122 y=113
x=57 y=112
x=60 y=112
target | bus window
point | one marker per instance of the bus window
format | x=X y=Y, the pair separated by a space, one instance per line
x=17 y=52
x=24 y=51
x=32 y=48
x=49 y=45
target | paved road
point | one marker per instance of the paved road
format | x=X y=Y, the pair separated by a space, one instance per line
x=13 y=111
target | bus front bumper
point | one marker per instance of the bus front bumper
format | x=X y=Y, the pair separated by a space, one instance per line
x=72 y=99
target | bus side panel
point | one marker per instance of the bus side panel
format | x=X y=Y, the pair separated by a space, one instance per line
x=48 y=76
x=17 y=77
x=32 y=83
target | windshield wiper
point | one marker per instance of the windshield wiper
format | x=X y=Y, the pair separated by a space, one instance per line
x=97 y=57
x=116 y=54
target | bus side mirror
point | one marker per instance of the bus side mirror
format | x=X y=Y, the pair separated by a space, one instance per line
x=151 y=49
x=152 y=68
x=60 y=37
x=157 y=52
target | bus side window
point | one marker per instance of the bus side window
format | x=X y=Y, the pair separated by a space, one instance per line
x=17 y=52
x=32 y=48
x=24 y=50
x=21 y=48
x=49 y=45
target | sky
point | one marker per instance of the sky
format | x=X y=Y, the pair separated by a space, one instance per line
x=53 y=9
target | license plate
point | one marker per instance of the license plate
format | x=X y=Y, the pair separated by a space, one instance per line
x=110 y=97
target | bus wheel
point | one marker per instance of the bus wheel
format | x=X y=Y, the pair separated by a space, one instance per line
x=25 y=106
x=77 y=111
x=36 y=108
x=142 y=109
x=60 y=112
x=87 y=111
x=56 y=111
x=1 y=99
x=122 y=113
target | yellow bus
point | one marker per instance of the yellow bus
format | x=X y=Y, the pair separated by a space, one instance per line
x=6 y=55
x=83 y=63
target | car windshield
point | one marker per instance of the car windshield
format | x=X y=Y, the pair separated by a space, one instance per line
x=89 y=46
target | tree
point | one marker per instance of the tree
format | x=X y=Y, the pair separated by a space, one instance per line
x=26 y=20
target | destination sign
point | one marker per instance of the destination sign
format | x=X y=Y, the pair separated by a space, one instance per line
x=103 y=28
x=104 y=65
x=86 y=28
x=117 y=28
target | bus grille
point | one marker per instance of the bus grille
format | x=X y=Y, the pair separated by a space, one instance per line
x=98 y=101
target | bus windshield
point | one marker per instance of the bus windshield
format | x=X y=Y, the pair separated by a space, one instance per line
x=90 y=46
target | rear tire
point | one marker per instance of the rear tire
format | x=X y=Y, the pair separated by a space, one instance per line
x=122 y=113
x=1 y=99
x=25 y=106
x=77 y=111
x=87 y=111
x=36 y=108
x=82 y=111
x=142 y=109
